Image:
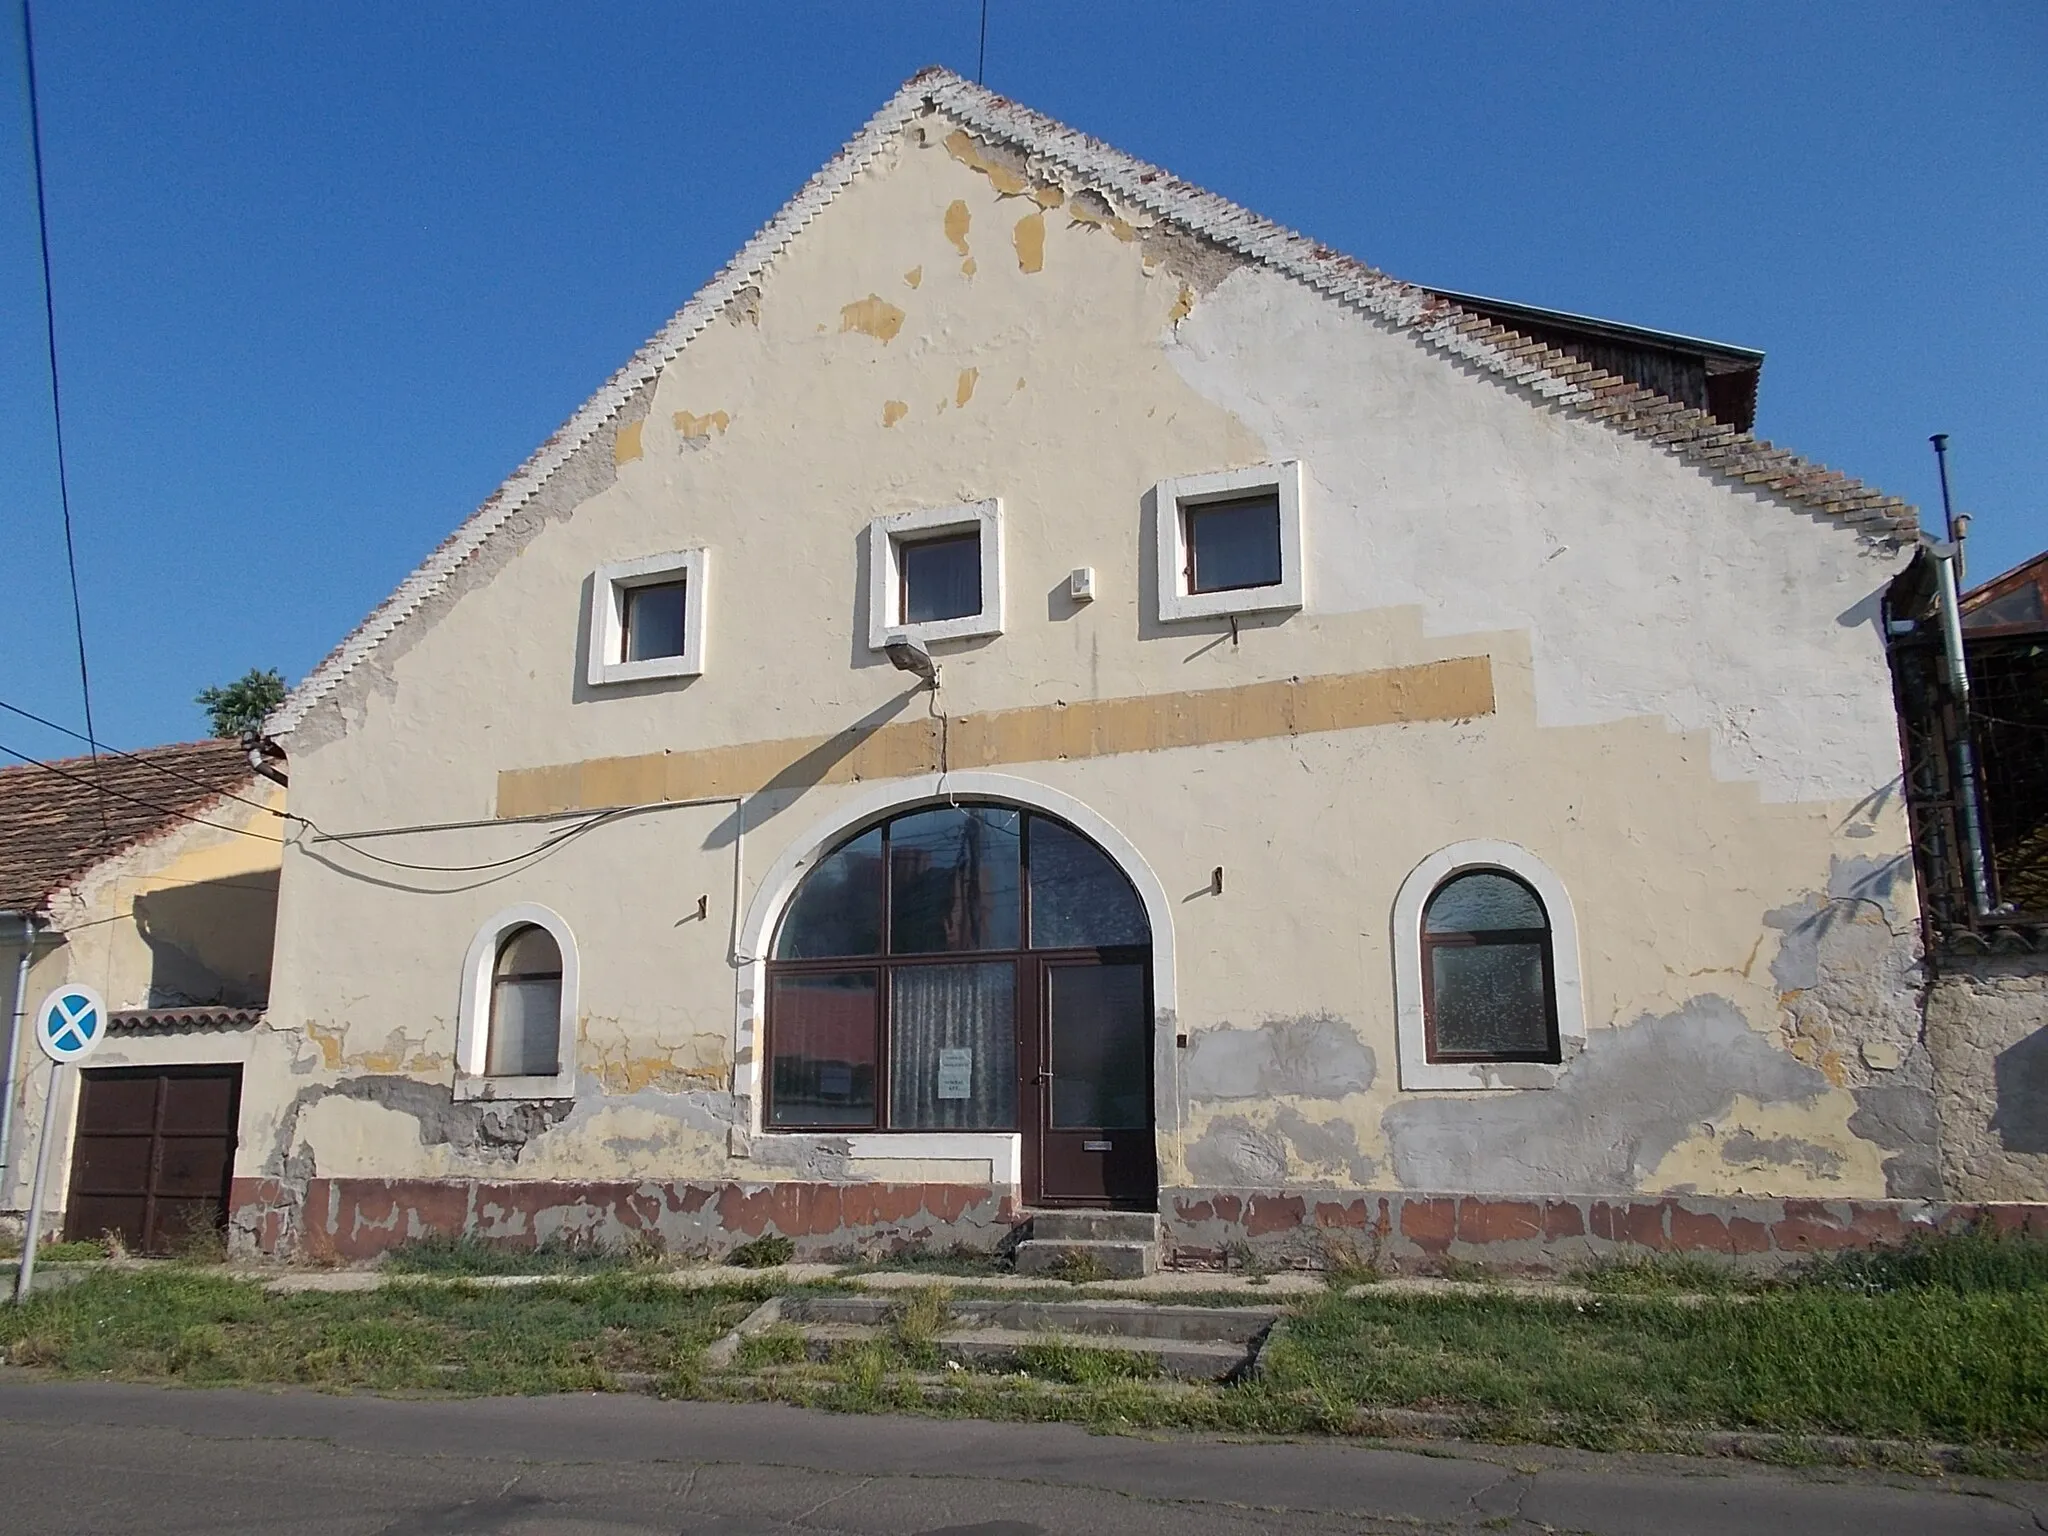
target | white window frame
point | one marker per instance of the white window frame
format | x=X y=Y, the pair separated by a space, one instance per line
x=1173 y=498
x=886 y=538
x=1410 y=1026
x=473 y=1017
x=608 y=588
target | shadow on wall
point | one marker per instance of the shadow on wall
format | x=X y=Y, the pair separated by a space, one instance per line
x=2021 y=1075
x=210 y=942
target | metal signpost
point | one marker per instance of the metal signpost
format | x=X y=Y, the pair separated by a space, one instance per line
x=70 y=1023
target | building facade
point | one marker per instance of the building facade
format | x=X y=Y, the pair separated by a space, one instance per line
x=1041 y=688
x=151 y=877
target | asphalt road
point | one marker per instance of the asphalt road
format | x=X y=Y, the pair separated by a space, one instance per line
x=94 y=1457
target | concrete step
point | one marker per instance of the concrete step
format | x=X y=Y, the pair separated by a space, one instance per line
x=1094 y=1226
x=1070 y=1259
x=1192 y=1343
x=1191 y=1361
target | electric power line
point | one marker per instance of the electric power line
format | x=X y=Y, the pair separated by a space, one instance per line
x=35 y=136
x=546 y=845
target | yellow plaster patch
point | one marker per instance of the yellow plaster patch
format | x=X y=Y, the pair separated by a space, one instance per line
x=914 y=276
x=1776 y=1149
x=893 y=411
x=967 y=267
x=1183 y=306
x=1048 y=197
x=626 y=446
x=957 y=221
x=961 y=147
x=872 y=316
x=701 y=426
x=330 y=1042
x=1029 y=238
x=963 y=391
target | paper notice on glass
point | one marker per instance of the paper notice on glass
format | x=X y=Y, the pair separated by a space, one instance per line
x=956 y=1073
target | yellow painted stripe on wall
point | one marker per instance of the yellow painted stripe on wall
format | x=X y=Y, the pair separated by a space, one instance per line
x=1457 y=689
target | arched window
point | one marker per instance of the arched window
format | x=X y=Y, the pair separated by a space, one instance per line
x=515 y=1028
x=526 y=1006
x=933 y=970
x=1488 y=978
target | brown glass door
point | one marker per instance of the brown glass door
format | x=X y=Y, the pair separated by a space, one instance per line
x=153 y=1155
x=1088 y=1087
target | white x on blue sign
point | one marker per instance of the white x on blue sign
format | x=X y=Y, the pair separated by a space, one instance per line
x=71 y=1023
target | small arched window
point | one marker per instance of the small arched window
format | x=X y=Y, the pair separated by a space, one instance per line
x=1489 y=990
x=526 y=1006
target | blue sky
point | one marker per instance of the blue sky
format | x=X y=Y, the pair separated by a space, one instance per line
x=325 y=275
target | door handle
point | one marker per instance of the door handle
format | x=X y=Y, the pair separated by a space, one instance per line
x=1041 y=1078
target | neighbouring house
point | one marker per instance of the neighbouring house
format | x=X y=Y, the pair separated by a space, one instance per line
x=151 y=876
x=1040 y=689
x=1977 y=788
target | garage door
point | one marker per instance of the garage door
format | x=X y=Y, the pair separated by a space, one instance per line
x=154 y=1151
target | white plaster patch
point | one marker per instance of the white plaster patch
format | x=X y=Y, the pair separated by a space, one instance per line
x=1645 y=587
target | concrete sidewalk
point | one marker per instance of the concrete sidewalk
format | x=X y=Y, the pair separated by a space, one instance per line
x=91 y=1458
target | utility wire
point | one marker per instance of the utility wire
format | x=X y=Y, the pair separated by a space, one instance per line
x=980 y=57
x=35 y=138
x=164 y=769
x=147 y=805
x=546 y=845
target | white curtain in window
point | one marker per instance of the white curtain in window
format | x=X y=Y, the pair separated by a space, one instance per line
x=526 y=1027
x=953 y=1047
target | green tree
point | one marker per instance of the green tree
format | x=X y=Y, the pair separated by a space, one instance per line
x=239 y=708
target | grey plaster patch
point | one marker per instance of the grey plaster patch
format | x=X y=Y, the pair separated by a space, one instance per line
x=1901 y=1118
x=1746 y=1149
x=1857 y=888
x=493 y=1130
x=1310 y=1055
x=1294 y=1151
x=2020 y=1074
x=1234 y=1153
x=816 y=1157
x=1631 y=1096
x=1202 y=264
x=1326 y=1143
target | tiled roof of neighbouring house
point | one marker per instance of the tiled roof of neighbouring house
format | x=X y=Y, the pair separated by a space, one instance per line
x=57 y=822
x=1547 y=375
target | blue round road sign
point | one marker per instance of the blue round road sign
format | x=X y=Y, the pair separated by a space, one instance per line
x=71 y=1023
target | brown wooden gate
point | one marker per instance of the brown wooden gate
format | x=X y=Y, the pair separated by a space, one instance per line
x=153 y=1154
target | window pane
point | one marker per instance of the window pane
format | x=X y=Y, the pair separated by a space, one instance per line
x=1489 y=1000
x=838 y=907
x=822 y=1030
x=953 y=1047
x=526 y=1025
x=529 y=951
x=1234 y=544
x=941 y=578
x=654 y=621
x=953 y=876
x=1482 y=902
x=1099 y=1036
x=1079 y=899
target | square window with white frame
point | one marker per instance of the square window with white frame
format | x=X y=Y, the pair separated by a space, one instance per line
x=1229 y=543
x=647 y=618
x=936 y=574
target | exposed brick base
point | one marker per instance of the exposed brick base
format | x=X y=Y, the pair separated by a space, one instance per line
x=357 y=1218
x=1537 y=1234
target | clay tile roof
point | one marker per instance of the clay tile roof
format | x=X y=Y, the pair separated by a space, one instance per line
x=52 y=830
x=175 y=1021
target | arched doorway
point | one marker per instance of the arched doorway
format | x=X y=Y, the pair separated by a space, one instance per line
x=971 y=966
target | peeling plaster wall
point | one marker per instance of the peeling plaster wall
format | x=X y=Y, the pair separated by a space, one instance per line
x=1987 y=1029
x=1691 y=725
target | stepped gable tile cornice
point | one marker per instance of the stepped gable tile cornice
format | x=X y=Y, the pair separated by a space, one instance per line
x=1550 y=375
